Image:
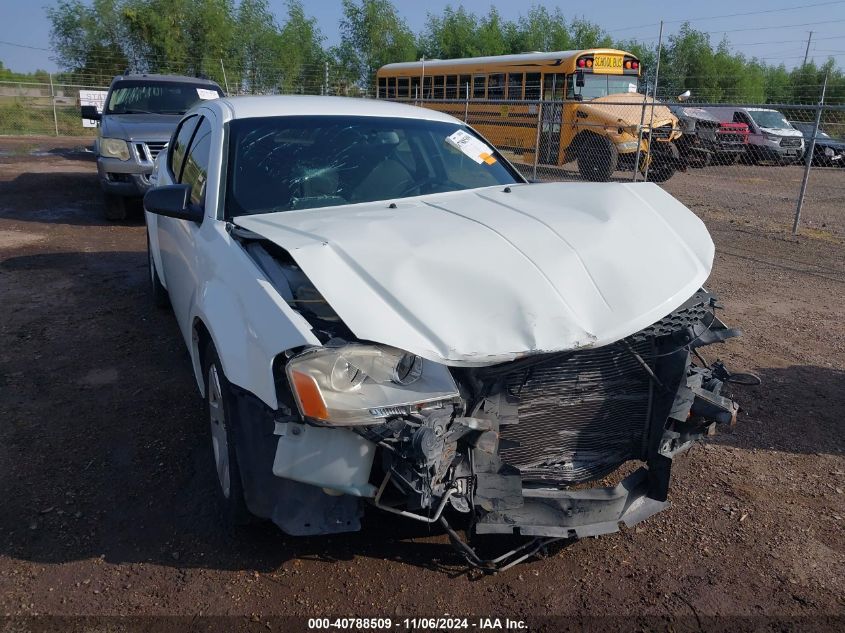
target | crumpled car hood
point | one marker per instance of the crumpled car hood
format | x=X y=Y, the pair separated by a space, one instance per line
x=484 y=276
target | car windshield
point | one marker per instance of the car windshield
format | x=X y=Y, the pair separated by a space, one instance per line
x=301 y=162
x=596 y=86
x=150 y=97
x=770 y=119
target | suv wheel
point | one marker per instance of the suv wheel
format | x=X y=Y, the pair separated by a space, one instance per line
x=115 y=208
x=222 y=416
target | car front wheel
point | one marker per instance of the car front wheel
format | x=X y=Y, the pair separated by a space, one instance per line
x=222 y=416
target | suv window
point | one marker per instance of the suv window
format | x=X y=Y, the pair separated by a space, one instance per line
x=195 y=172
x=157 y=97
x=180 y=145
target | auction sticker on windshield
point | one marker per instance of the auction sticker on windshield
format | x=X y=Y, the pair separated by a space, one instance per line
x=472 y=147
x=207 y=94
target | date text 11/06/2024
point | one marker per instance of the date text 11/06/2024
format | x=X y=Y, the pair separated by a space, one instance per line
x=416 y=624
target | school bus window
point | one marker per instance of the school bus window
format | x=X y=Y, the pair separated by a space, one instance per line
x=391 y=87
x=514 y=85
x=438 y=87
x=404 y=83
x=532 y=86
x=463 y=86
x=427 y=89
x=415 y=87
x=553 y=87
x=478 y=86
x=496 y=86
x=382 y=87
x=452 y=87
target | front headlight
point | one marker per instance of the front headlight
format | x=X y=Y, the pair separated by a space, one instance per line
x=773 y=138
x=114 y=148
x=364 y=384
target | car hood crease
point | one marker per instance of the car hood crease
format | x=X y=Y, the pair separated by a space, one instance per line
x=487 y=275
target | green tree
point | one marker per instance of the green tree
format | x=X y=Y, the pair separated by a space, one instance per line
x=688 y=64
x=450 y=35
x=372 y=34
x=89 y=40
x=540 y=30
x=300 y=52
x=249 y=65
x=490 y=34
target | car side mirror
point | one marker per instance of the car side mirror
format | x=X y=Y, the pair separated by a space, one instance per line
x=684 y=96
x=90 y=112
x=579 y=78
x=173 y=201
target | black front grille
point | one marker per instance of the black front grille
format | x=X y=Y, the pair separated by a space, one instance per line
x=661 y=133
x=580 y=416
x=155 y=147
x=788 y=141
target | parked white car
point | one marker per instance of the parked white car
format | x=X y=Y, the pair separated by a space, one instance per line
x=380 y=309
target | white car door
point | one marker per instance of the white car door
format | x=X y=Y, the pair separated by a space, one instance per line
x=189 y=164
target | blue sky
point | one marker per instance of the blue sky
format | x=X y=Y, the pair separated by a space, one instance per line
x=777 y=34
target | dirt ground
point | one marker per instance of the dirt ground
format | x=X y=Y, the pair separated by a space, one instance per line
x=107 y=503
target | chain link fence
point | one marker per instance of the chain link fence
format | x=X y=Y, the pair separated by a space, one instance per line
x=43 y=108
x=723 y=159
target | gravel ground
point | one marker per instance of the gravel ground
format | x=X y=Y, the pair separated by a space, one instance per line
x=107 y=505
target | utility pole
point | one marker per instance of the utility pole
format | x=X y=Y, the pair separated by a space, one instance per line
x=808 y=160
x=326 y=79
x=807 y=52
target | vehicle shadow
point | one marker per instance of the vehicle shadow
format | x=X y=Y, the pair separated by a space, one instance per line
x=105 y=443
x=66 y=197
x=796 y=409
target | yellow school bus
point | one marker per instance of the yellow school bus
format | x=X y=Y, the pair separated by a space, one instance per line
x=582 y=106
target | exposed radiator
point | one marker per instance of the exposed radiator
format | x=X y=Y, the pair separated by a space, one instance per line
x=580 y=416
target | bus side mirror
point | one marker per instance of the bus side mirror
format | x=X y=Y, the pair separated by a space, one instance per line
x=579 y=78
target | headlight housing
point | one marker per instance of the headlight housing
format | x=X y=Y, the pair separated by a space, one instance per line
x=773 y=138
x=114 y=148
x=360 y=384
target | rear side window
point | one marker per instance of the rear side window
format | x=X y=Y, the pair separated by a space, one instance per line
x=195 y=172
x=180 y=145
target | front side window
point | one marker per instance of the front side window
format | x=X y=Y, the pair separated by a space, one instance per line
x=195 y=172
x=150 y=97
x=180 y=145
x=289 y=163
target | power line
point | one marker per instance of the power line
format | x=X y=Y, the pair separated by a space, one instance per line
x=35 y=48
x=730 y=15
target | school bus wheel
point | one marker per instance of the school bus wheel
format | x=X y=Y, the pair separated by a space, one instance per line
x=596 y=156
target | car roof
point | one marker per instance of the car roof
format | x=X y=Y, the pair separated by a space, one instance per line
x=165 y=78
x=299 y=105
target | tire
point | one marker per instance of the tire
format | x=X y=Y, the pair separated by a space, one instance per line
x=115 y=208
x=597 y=158
x=159 y=293
x=664 y=165
x=223 y=416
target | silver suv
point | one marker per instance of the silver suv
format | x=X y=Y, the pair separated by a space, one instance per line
x=139 y=115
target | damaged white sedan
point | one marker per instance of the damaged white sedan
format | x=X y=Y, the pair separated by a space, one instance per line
x=380 y=309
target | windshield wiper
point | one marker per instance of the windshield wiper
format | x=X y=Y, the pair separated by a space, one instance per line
x=131 y=111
